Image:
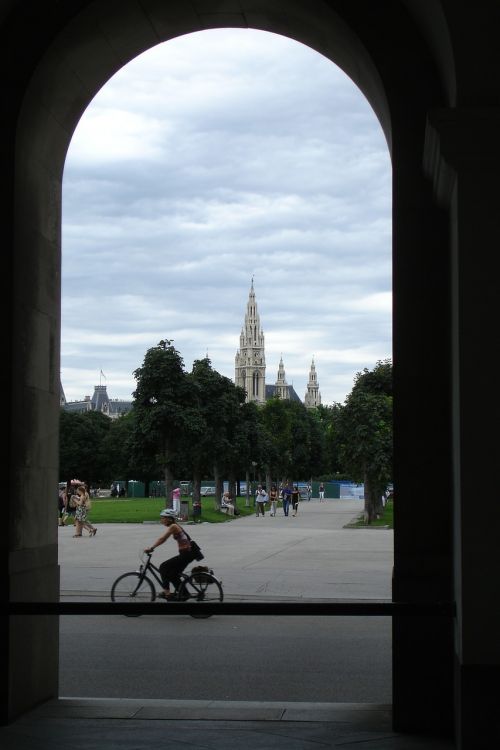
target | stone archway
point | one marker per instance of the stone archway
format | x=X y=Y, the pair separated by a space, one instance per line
x=76 y=62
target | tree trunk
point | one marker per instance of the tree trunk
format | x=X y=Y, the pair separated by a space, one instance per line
x=268 y=479
x=232 y=484
x=219 y=487
x=196 y=487
x=369 y=500
x=379 y=502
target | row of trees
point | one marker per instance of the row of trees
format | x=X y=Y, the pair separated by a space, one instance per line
x=197 y=425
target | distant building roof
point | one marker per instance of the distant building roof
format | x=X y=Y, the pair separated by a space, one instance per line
x=292 y=393
x=100 y=401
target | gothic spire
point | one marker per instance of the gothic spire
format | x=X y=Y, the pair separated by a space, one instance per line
x=250 y=360
x=313 y=396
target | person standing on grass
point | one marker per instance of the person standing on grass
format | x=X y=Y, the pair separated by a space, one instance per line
x=197 y=511
x=176 y=499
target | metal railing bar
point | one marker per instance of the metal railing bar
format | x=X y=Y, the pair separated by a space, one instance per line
x=352 y=608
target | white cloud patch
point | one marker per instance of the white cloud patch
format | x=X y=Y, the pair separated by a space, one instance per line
x=211 y=158
x=115 y=135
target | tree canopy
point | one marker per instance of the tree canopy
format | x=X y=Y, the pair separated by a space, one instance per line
x=365 y=427
x=198 y=424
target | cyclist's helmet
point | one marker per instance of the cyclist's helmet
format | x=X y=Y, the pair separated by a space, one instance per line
x=167 y=513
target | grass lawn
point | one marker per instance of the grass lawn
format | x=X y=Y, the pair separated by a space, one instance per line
x=386 y=519
x=139 y=509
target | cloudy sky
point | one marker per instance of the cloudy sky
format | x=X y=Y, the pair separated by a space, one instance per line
x=210 y=159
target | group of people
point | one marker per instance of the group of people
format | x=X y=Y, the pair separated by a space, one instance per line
x=288 y=494
x=76 y=504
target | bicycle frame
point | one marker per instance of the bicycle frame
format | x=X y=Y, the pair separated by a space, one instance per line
x=149 y=567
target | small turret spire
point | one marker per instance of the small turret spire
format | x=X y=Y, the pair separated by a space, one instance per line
x=313 y=396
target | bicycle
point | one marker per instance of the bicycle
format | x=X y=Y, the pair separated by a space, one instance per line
x=200 y=585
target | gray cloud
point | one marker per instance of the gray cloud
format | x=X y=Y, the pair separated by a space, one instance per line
x=211 y=158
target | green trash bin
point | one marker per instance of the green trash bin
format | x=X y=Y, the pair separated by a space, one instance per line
x=135 y=488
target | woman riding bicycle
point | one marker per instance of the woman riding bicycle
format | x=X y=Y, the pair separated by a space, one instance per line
x=171 y=569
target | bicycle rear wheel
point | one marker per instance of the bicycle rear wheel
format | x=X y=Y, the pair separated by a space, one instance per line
x=201 y=587
x=130 y=588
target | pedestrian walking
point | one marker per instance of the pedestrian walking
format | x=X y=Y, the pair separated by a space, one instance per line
x=260 y=501
x=295 y=500
x=321 y=492
x=273 y=499
x=286 y=494
x=82 y=508
x=63 y=507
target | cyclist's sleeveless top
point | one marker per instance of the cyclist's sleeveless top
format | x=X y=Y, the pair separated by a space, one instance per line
x=183 y=541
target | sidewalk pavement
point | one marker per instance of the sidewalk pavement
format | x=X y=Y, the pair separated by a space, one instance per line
x=202 y=725
x=282 y=558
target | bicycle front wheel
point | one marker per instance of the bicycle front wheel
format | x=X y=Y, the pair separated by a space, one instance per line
x=131 y=587
x=201 y=587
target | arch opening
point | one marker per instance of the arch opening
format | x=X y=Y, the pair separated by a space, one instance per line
x=107 y=233
x=53 y=115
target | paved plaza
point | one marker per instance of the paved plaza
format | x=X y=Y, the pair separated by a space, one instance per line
x=311 y=556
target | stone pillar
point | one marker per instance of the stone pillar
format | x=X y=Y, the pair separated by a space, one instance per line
x=422 y=646
x=463 y=157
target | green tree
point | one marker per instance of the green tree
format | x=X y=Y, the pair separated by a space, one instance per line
x=164 y=410
x=82 y=453
x=219 y=401
x=245 y=444
x=366 y=433
x=117 y=448
x=275 y=419
x=330 y=419
x=317 y=464
x=293 y=440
